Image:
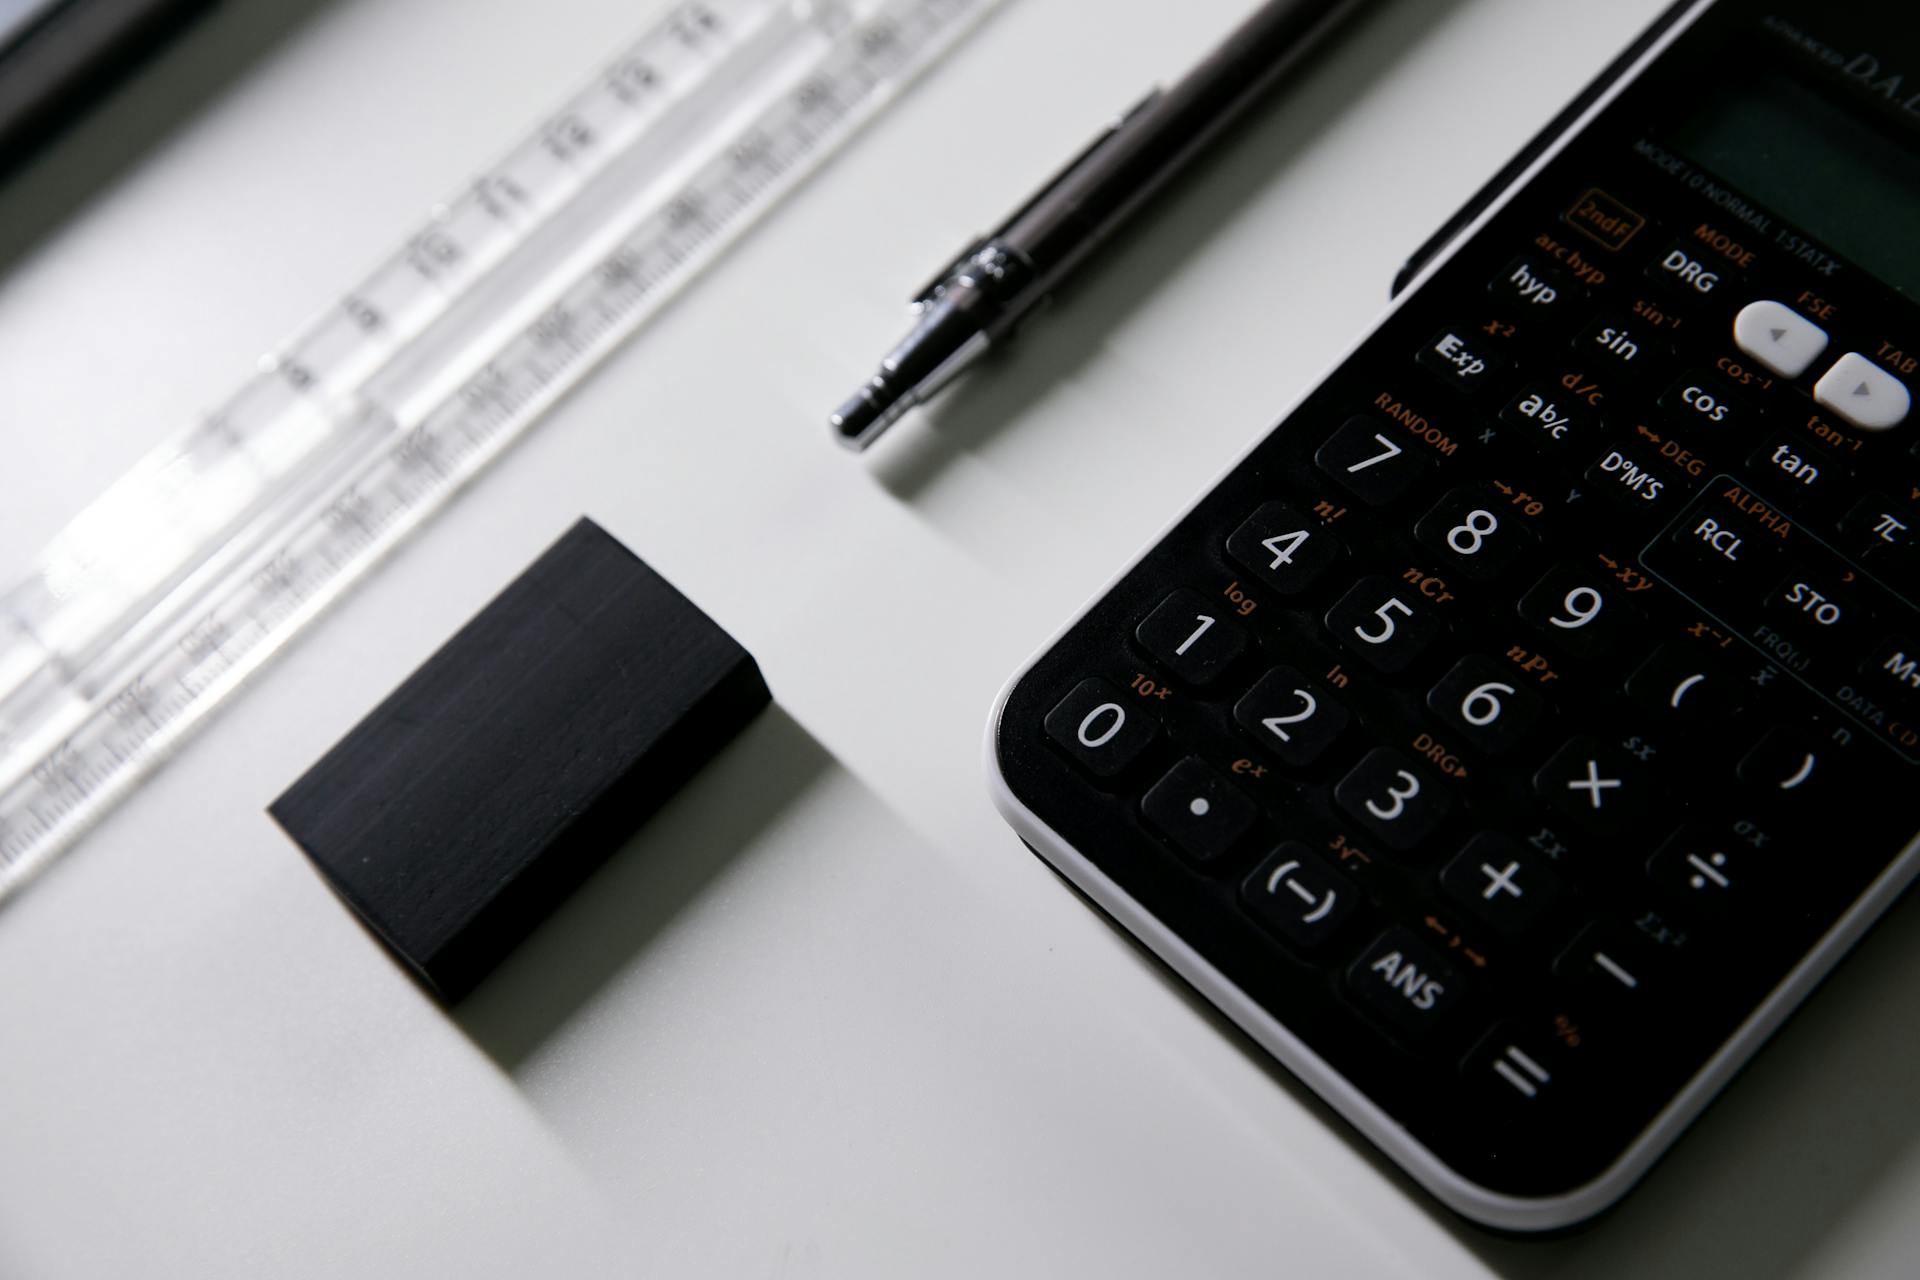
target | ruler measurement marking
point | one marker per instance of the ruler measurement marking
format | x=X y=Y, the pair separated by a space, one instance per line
x=106 y=700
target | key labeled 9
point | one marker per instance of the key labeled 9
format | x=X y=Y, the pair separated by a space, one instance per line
x=1582 y=612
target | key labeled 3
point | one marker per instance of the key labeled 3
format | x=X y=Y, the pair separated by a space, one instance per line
x=1392 y=797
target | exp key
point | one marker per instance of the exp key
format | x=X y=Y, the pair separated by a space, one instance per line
x=1460 y=361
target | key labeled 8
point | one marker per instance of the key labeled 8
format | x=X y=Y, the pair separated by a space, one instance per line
x=1481 y=533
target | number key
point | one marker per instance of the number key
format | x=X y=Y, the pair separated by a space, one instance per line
x=1379 y=620
x=1187 y=635
x=1295 y=721
x=1580 y=610
x=1095 y=726
x=1479 y=532
x=1370 y=458
x=1387 y=794
x=1480 y=699
x=1279 y=546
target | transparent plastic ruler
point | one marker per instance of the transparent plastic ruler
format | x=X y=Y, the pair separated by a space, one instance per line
x=192 y=570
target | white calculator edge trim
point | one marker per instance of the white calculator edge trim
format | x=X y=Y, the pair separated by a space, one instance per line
x=1465 y=1197
x=1469 y=1199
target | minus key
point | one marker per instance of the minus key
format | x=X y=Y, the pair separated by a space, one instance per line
x=1612 y=969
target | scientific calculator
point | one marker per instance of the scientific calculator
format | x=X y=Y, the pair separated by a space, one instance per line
x=1520 y=730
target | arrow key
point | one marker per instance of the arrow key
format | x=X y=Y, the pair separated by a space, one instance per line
x=1779 y=337
x=1860 y=392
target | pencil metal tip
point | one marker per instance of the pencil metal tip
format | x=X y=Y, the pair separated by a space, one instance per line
x=857 y=422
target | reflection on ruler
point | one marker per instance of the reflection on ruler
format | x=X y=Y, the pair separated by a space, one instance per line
x=187 y=574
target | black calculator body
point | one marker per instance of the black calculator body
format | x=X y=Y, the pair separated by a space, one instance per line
x=1516 y=734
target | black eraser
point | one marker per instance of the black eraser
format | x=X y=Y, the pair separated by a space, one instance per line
x=460 y=811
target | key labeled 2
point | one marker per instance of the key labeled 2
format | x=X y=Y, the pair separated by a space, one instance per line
x=1293 y=719
x=1393 y=798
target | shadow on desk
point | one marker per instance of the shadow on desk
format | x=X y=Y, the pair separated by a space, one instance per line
x=609 y=921
x=1254 y=154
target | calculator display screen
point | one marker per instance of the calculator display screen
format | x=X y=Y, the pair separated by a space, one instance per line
x=1817 y=165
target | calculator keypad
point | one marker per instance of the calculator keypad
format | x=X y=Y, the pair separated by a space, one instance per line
x=1493 y=722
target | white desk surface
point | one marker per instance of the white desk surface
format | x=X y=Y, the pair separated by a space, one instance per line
x=824 y=1016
